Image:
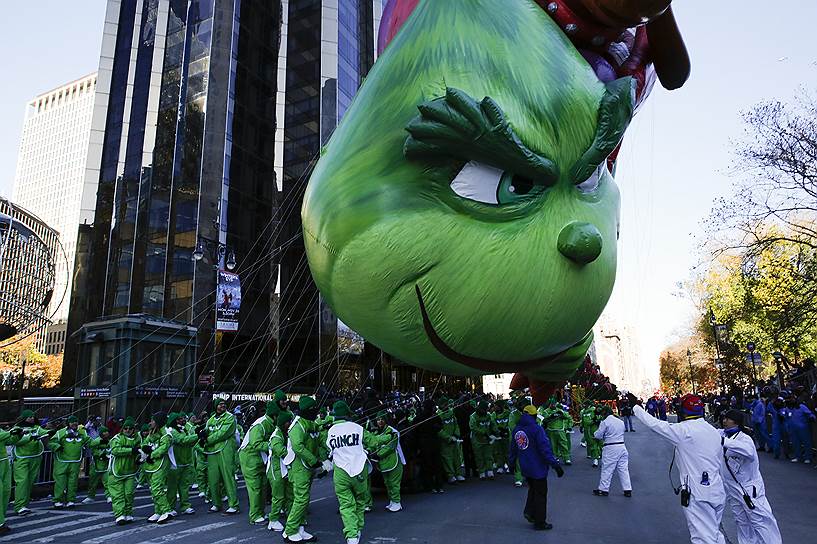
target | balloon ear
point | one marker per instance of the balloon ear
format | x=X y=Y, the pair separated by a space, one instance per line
x=668 y=50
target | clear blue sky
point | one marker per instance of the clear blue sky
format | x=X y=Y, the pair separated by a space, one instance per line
x=676 y=155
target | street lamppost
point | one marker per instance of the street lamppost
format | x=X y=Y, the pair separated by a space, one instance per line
x=778 y=358
x=750 y=347
x=691 y=375
x=718 y=361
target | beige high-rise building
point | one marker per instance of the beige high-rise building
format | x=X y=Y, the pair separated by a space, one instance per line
x=50 y=177
x=616 y=350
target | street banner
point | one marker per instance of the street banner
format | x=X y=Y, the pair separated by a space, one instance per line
x=228 y=301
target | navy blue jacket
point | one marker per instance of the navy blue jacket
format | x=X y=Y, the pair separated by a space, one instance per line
x=530 y=445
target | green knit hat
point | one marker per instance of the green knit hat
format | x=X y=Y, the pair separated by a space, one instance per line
x=272 y=409
x=145 y=428
x=341 y=409
x=72 y=419
x=279 y=395
x=216 y=402
x=305 y=403
x=103 y=430
x=172 y=417
x=129 y=422
x=25 y=414
x=283 y=419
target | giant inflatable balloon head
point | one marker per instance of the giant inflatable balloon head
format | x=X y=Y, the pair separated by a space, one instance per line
x=463 y=216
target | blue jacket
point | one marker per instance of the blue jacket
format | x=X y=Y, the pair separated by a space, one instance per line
x=530 y=445
x=758 y=412
x=797 y=418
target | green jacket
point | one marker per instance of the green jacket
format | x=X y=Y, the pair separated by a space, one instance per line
x=501 y=420
x=386 y=446
x=450 y=431
x=67 y=447
x=513 y=419
x=182 y=443
x=589 y=421
x=160 y=441
x=303 y=441
x=220 y=433
x=556 y=419
x=8 y=439
x=277 y=450
x=123 y=459
x=482 y=427
x=256 y=441
x=33 y=447
x=101 y=452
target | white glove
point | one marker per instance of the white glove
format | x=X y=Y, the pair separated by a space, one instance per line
x=327 y=465
x=459 y=440
x=493 y=439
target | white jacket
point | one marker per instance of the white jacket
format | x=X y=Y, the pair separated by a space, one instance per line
x=345 y=443
x=741 y=455
x=699 y=453
x=610 y=431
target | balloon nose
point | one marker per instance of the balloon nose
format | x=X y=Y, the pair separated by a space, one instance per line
x=580 y=242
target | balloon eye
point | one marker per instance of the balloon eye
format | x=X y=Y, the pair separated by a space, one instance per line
x=592 y=183
x=489 y=185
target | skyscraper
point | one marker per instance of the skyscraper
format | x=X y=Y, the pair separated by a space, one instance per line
x=50 y=178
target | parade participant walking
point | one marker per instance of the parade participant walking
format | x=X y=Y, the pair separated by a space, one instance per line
x=558 y=422
x=281 y=498
x=500 y=416
x=531 y=447
x=776 y=408
x=218 y=442
x=744 y=485
x=797 y=417
x=122 y=477
x=98 y=467
x=199 y=458
x=450 y=442
x=614 y=457
x=345 y=442
x=67 y=446
x=155 y=448
x=513 y=420
x=27 y=455
x=590 y=423
x=698 y=449
x=180 y=472
x=13 y=437
x=252 y=456
x=302 y=459
x=483 y=436
x=390 y=461
x=626 y=411
x=759 y=424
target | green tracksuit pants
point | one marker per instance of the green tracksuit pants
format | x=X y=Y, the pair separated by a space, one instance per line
x=122 y=491
x=254 y=471
x=5 y=489
x=179 y=480
x=501 y=448
x=368 y=501
x=221 y=475
x=351 y=493
x=449 y=457
x=66 y=479
x=281 y=497
x=94 y=478
x=201 y=473
x=593 y=446
x=25 y=474
x=392 y=480
x=560 y=442
x=158 y=490
x=301 y=479
x=483 y=456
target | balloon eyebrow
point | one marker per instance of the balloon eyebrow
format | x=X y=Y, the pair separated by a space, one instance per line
x=457 y=126
x=616 y=110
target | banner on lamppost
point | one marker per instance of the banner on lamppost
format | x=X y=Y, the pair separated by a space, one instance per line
x=228 y=301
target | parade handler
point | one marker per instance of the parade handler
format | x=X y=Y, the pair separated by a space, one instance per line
x=252 y=455
x=698 y=452
x=302 y=460
x=531 y=447
x=590 y=422
x=123 y=469
x=181 y=473
x=483 y=436
x=558 y=422
x=218 y=441
x=27 y=455
x=390 y=461
x=501 y=417
x=100 y=458
x=744 y=485
x=614 y=457
x=156 y=464
x=450 y=442
x=13 y=437
x=67 y=446
x=277 y=472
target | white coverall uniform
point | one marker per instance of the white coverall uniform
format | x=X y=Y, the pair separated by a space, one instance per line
x=614 y=456
x=757 y=526
x=699 y=453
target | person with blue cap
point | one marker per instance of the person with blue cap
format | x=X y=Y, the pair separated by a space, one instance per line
x=698 y=452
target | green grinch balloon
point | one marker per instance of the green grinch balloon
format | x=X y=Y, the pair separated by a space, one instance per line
x=463 y=218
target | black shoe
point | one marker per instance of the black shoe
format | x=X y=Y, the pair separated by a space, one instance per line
x=529 y=518
x=628 y=493
x=600 y=493
x=632 y=430
x=545 y=527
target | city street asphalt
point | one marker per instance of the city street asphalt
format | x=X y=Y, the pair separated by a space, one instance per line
x=467 y=513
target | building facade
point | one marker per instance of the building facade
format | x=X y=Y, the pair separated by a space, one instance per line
x=50 y=177
x=616 y=350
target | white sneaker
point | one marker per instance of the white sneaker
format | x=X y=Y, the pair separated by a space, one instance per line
x=202 y=494
x=138 y=486
x=452 y=480
x=490 y=474
x=109 y=500
x=367 y=509
x=224 y=498
x=481 y=475
x=394 y=507
x=568 y=462
x=353 y=540
x=129 y=518
x=214 y=508
x=595 y=462
x=500 y=471
x=795 y=460
x=173 y=513
x=517 y=484
x=231 y=510
x=163 y=518
x=582 y=444
x=294 y=538
x=154 y=518
x=194 y=486
x=807 y=461
x=121 y=520
x=70 y=505
x=88 y=500
x=259 y=521
x=304 y=535
x=460 y=478
x=58 y=505
x=275 y=526
x=189 y=512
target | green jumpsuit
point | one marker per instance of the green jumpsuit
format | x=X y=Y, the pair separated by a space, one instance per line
x=156 y=468
x=450 y=450
x=28 y=456
x=7 y=439
x=482 y=427
x=589 y=425
x=122 y=473
x=100 y=454
x=513 y=420
x=501 y=446
x=278 y=480
x=391 y=462
x=220 y=449
x=252 y=456
x=557 y=422
x=180 y=476
x=303 y=444
x=67 y=447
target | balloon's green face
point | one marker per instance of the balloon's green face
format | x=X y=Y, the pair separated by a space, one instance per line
x=462 y=217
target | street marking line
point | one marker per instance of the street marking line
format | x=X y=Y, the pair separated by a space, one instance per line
x=56 y=527
x=226 y=540
x=121 y=534
x=46 y=539
x=187 y=532
x=37 y=521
